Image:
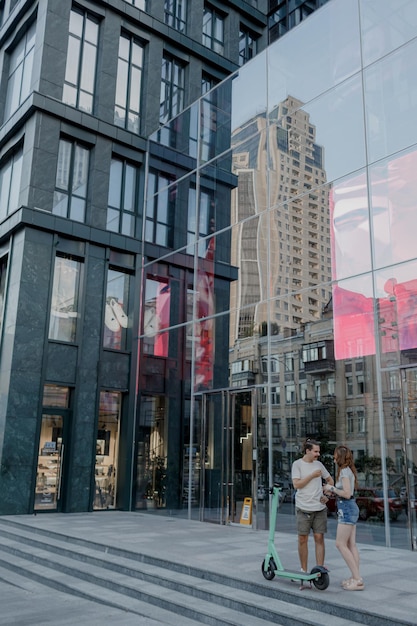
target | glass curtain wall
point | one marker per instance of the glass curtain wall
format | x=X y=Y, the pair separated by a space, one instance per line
x=289 y=193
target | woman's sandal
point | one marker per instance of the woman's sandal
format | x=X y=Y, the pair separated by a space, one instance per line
x=354 y=585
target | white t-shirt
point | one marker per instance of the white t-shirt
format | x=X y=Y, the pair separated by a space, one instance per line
x=346 y=472
x=308 y=498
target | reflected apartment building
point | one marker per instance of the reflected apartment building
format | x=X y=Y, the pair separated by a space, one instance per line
x=315 y=305
x=206 y=252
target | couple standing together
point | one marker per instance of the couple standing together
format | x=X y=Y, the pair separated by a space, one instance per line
x=308 y=474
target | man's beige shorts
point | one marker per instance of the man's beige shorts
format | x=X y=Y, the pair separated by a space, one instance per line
x=311 y=520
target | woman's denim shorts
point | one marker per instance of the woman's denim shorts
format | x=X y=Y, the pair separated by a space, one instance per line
x=347 y=511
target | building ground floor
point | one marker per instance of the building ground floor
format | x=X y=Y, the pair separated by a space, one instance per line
x=94 y=418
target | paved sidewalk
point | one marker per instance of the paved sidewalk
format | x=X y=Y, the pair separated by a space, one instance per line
x=390 y=575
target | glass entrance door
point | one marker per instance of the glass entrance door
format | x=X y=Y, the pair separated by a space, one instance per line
x=226 y=428
x=409 y=424
x=48 y=490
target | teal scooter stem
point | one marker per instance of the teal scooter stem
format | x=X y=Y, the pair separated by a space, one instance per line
x=272 y=566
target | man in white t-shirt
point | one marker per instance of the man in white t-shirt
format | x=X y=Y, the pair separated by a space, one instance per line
x=310 y=503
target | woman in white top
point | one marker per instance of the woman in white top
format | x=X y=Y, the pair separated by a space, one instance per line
x=348 y=515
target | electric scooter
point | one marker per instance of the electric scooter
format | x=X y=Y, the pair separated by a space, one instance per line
x=272 y=566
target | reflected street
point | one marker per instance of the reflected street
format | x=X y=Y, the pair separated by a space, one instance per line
x=368 y=532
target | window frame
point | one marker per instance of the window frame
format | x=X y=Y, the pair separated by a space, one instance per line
x=63 y=326
x=68 y=190
x=213 y=29
x=160 y=185
x=80 y=47
x=175 y=14
x=124 y=214
x=172 y=93
x=15 y=96
x=127 y=84
x=10 y=184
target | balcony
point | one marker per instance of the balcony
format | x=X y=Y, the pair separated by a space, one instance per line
x=322 y=366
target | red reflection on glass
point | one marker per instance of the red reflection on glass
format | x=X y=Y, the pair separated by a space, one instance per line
x=391 y=220
x=204 y=330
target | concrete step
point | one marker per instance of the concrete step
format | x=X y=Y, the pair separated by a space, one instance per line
x=26 y=602
x=126 y=579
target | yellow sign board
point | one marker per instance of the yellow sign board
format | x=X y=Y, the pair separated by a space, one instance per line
x=246 y=515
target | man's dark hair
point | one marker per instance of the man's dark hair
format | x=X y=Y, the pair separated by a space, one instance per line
x=309 y=444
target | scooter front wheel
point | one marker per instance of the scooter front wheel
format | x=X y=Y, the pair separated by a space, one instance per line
x=322 y=581
x=269 y=573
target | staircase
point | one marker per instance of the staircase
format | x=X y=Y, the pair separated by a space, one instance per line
x=161 y=591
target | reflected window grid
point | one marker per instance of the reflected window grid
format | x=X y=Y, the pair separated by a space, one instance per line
x=70 y=196
x=172 y=88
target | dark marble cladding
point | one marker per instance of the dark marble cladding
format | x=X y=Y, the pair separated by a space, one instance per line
x=61 y=363
x=23 y=394
x=16 y=466
x=21 y=432
x=28 y=351
x=78 y=491
x=16 y=488
x=114 y=370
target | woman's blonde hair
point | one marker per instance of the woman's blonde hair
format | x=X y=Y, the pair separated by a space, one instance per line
x=344 y=458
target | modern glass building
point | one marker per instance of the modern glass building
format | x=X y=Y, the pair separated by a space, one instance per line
x=185 y=298
x=279 y=302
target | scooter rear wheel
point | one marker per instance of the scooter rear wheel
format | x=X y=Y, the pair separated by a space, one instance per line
x=269 y=574
x=322 y=581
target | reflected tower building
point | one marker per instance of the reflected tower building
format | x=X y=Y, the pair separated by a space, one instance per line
x=296 y=264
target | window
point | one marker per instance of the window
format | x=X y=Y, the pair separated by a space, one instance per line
x=207 y=83
x=394 y=381
x=213 y=30
x=70 y=197
x=116 y=315
x=291 y=427
x=122 y=202
x=210 y=119
x=160 y=209
x=56 y=395
x=107 y=450
x=172 y=89
x=396 y=419
x=20 y=72
x=361 y=421
x=350 y=429
x=275 y=395
x=10 y=175
x=176 y=14
x=129 y=84
x=80 y=73
x=289 y=362
x=303 y=392
x=360 y=381
x=247 y=46
x=290 y=394
x=317 y=390
x=205 y=214
x=156 y=317
x=349 y=385
x=276 y=428
x=65 y=299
